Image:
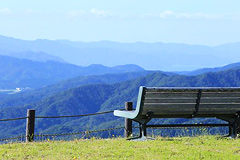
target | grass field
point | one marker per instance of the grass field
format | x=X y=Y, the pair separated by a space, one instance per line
x=202 y=147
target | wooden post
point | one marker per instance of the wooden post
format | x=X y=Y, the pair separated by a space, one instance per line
x=30 y=125
x=128 y=122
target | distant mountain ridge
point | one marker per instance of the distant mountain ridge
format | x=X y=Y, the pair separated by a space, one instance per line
x=26 y=73
x=206 y=70
x=34 y=56
x=157 y=56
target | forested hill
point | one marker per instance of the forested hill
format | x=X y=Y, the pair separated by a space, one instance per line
x=23 y=73
x=33 y=96
x=98 y=97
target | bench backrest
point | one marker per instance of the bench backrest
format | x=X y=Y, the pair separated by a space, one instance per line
x=188 y=102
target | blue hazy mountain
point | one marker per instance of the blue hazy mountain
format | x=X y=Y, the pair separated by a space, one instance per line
x=206 y=70
x=157 y=56
x=26 y=73
x=34 y=56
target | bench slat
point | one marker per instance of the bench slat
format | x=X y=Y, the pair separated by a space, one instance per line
x=193 y=100
x=219 y=94
x=189 y=105
x=170 y=100
x=168 y=112
x=168 y=109
x=172 y=95
x=168 y=106
x=190 y=94
x=220 y=100
x=188 y=89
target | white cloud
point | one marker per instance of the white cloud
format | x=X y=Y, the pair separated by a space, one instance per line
x=101 y=13
x=233 y=16
x=166 y=14
x=163 y=15
x=178 y=15
x=30 y=12
x=169 y=14
x=91 y=13
x=5 y=11
x=75 y=13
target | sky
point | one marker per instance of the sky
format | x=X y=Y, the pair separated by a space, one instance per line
x=205 y=22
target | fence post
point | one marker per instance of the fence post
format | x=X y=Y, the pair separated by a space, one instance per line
x=30 y=125
x=128 y=122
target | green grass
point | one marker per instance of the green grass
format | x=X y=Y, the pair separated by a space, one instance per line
x=202 y=147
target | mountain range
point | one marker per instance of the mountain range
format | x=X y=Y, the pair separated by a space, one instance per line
x=151 y=56
x=70 y=78
x=23 y=73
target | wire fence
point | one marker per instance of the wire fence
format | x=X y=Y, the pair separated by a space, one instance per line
x=22 y=137
x=13 y=138
x=82 y=134
x=12 y=119
x=71 y=116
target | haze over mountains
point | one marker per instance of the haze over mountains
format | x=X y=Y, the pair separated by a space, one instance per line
x=215 y=69
x=22 y=73
x=157 y=56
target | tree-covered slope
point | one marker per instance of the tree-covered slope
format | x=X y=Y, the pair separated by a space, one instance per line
x=92 y=98
x=32 y=96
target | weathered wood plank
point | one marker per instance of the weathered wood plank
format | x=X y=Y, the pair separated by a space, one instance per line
x=215 y=113
x=220 y=105
x=170 y=95
x=190 y=94
x=193 y=100
x=213 y=109
x=188 y=113
x=161 y=106
x=220 y=100
x=170 y=100
x=169 y=112
x=187 y=89
x=220 y=94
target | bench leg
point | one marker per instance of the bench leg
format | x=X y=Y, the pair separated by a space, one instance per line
x=233 y=130
x=234 y=126
x=143 y=134
x=143 y=130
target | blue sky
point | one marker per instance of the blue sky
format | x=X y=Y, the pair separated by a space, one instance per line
x=208 y=22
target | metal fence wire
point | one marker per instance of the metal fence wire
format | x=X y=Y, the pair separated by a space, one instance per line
x=86 y=133
x=59 y=134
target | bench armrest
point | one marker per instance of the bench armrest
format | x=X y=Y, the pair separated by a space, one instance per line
x=126 y=114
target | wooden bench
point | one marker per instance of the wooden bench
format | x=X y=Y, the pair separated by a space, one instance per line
x=166 y=102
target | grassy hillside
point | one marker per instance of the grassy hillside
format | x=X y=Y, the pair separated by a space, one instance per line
x=204 y=147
